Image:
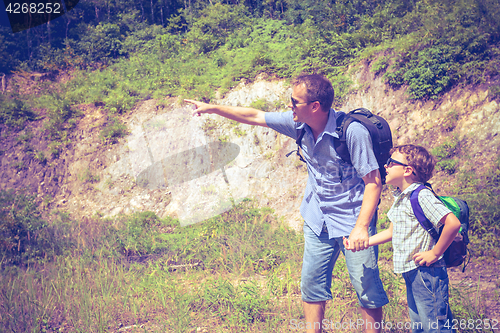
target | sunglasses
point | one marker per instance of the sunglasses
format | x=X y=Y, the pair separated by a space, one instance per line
x=295 y=102
x=392 y=161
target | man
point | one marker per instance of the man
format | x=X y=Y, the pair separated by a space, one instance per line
x=340 y=199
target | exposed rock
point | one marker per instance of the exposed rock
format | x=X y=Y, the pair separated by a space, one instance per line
x=193 y=168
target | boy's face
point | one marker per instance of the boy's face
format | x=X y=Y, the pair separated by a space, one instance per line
x=396 y=167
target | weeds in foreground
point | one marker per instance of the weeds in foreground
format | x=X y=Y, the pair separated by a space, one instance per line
x=239 y=271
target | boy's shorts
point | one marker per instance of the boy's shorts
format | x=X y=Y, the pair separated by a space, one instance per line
x=320 y=255
x=428 y=300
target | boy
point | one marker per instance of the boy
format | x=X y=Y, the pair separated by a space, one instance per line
x=416 y=255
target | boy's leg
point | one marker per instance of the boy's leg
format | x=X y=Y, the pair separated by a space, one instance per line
x=428 y=287
x=416 y=322
x=320 y=254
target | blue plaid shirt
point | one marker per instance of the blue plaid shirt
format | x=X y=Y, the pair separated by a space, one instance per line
x=334 y=190
x=408 y=236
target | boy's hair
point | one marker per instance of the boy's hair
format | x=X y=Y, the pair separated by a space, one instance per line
x=419 y=159
x=318 y=88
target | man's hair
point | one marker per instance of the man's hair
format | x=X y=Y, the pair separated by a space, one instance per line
x=419 y=159
x=318 y=88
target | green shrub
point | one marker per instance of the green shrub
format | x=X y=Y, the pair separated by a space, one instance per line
x=14 y=110
x=20 y=227
x=444 y=154
x=261 y=104
x=139 y=233
x=447 y=165
x=380 y=65
x=481 y=190
x=494 y=92
x=60 y=113
x=86 y=176
x=99 y=44
x=447 y=149
x=214 y=25
x=113 y=130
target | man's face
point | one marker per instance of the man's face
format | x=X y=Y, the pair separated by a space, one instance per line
x=302 y=108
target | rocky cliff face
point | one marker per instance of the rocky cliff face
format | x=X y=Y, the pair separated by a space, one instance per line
x=194 y=168
x=188 y=167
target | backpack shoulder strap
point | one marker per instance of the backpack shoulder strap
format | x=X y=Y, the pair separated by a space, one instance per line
x=419 y=213
x=300 y=136
x=340 y=144
x=299 y=142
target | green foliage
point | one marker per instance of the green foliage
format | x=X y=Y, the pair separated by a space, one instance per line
x=14 y=110
x=61 y=115
x=450 y=120
x=380 y=65
x=427 y=73
x=224 y=46
x=122 y=271
x=446 y=48
x=494 y=92
x=261 y=104
x=482 y=193
x=242 y=304
x=147 y=40
x=220 y=243
x=99 y=44
x=446 y=150
x=445 y=153
x=113 y=130
x=139 y=233
x=215 y=24
x=86 y=176
x=20 y=227
x=449 y=166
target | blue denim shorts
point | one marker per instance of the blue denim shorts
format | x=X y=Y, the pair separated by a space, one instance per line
x=320 y=255
x=428 y=302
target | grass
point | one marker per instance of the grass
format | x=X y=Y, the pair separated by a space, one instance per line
x=239 y=271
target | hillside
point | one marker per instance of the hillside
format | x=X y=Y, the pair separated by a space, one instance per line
x=121 y=212
x=90 y=177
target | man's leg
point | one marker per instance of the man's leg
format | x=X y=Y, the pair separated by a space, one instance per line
x=320 y=254
x=372 y=318
x=314 y=314
x=365 y=278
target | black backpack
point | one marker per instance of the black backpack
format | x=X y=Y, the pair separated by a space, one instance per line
x=379 y=131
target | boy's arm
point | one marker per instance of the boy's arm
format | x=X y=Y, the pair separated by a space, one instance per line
x=380 y=238
x=240 y=114
x=450 y=230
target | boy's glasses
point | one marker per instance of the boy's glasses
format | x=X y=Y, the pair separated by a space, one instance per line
x=295 y=102
x=392 y=161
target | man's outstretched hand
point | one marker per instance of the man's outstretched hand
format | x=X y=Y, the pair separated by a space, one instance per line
x=199 y=107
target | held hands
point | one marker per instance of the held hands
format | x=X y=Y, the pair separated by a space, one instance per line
x=358 y=240
x=426 y=258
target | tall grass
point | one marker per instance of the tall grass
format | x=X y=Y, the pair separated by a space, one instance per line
x=239 y=271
